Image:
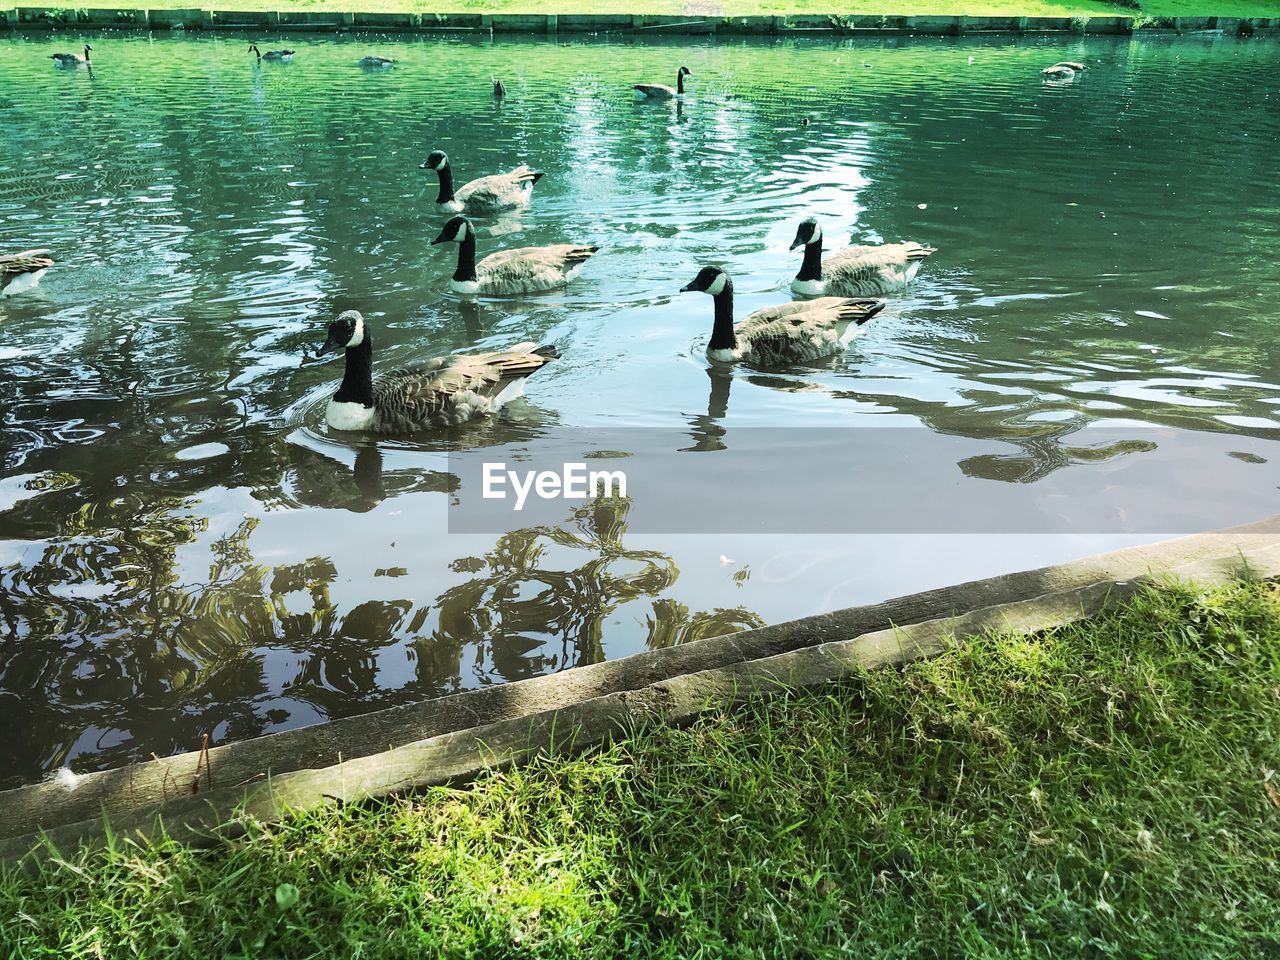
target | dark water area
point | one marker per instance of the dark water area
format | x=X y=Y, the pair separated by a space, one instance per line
x=185 y=547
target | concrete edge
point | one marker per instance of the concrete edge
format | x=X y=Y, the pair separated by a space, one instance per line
x=285 y=21
x=461 y=754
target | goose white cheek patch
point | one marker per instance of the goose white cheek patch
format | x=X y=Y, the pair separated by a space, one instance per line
x=717 y=285
x=357 y=337
x=817 y=233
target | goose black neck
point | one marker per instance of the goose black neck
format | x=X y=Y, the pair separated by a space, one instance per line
x=466 y=258
x=680 y=82
x=811 y=268
x=446 y=184
x=722 y=335
x=357 y=381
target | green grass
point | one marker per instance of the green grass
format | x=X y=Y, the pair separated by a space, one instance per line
x=741 y=8
x=1103 y=790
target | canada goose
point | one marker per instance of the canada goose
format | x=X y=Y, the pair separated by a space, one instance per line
x=1064 y=69
x=71 y=59
x=484 y=196
x=374 y=62
x=523 y=270
x=499 y=90
x=441 y=392
x=271 y=56
x=795 y=332
x=660 y=91
x=19 y=272
x=857 y=271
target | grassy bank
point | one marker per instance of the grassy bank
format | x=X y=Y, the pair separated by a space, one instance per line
x=744 y=8
x=1103 y=790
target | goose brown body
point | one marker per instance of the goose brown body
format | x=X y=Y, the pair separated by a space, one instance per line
x=522 y=270
x=857 y=271
x=796 y=332
x=443 y=391
x=485 y=196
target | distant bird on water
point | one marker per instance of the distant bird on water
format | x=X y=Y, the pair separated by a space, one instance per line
x=660 y=91
x=272 y=56
x=1064 y=69
x=71 y=59
x=499 y=90
x=373 y=62
x=19 y=272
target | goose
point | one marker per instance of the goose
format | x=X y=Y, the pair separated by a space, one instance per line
x=523 y=270
x=857 y=271
x=1064 y=69
x=484 y=196
x=19 y=272
x=272 y=56
x=374 y=62
x=660 y=91
x=795 y=332
x=499 y=90
x=440 y=392
x=71 y=59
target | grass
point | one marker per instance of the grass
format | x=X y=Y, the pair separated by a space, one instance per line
x=1102 y=790
x=741 y=8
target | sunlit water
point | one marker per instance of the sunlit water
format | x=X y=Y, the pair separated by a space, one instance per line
x=184 y=546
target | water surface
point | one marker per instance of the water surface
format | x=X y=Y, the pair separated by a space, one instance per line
x=185 y=548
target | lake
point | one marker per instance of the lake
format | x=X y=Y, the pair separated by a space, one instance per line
x=186 y=548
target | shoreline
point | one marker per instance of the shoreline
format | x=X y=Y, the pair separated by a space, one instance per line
x=807 y=24
x=456 y=738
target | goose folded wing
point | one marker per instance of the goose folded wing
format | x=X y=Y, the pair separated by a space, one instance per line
x=29 y=261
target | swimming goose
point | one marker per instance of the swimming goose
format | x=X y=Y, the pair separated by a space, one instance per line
x=71 y=59
x=523 y=270
x=374 y=62
x=19 y=272
x=1064 y=69
x=499 y=90
x=272 y=56
x=795 y=332
x=660 y=91
x=441 y=392
x=857 y=271
x=484 y=196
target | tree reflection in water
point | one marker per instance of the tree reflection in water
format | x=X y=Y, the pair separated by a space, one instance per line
x=110 y=651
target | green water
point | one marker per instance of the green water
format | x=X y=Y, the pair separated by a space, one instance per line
x=186 y=548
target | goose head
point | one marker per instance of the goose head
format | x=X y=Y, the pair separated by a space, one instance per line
x=455 y=231
x=808 y=232
x=253 y=48
x=438 y=160
x=710 y=280
x=87 y=48
x=684 y=72
x=346 y=330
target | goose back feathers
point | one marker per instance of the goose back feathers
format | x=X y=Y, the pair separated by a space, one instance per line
x=523 y=270
x=796 y=332
x=20 y=272
x=484 y=196
x=857 y=271
x=444 y=391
